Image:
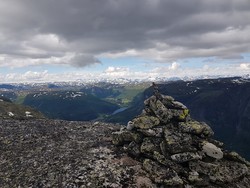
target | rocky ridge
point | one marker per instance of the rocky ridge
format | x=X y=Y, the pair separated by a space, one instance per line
x=177 y=151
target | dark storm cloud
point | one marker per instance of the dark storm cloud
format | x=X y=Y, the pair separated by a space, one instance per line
x=91 y=27
x=82 y=60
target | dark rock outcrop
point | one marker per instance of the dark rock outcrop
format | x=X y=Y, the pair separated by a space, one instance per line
x=177 y=151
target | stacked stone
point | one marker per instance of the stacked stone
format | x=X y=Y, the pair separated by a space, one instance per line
x=177 y=151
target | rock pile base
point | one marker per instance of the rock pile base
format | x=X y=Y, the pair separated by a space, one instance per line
x=177 y=151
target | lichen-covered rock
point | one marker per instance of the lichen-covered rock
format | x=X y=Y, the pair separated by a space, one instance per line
x=166 y=109
x=177 y=142
x=182 y=114
x=179 y=105
x=195 y=127
x=223 y=172
x=145 y=122
x=163 y=113
x=234 y=156
x=184 y=157
x=123 y=136
x=168 y=162
x=167 y=100
x=212 y=151
x=202 y=167
x=153 y=132
x=193 y=177
x=227 y=172
x=134 y=149
x=216 y=142
x=166 y=176
x=149 y=145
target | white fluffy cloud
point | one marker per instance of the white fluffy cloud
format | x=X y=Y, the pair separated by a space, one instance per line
x=116 y=72
x=245 y=66
x=29 y=76
x=173 y=70
x=116 y=69
x=174 y=66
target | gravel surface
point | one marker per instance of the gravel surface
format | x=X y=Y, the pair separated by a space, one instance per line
x=52 y=153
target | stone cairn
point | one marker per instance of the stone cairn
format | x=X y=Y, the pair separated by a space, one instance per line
x=177 y=151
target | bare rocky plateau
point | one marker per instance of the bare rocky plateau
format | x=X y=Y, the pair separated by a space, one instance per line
x=51 y=153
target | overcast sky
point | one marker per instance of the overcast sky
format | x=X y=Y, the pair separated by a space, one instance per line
x=43 y=40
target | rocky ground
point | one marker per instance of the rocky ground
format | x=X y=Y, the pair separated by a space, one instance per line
x=47 y=153
x=163 y=147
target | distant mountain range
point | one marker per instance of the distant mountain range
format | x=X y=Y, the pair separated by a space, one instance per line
x=74 y=101
x=114 y=81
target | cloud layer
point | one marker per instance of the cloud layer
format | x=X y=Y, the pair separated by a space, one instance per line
x=113 y=73
x=79 y=32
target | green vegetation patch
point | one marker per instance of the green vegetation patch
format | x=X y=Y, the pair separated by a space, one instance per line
x=70 y=105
